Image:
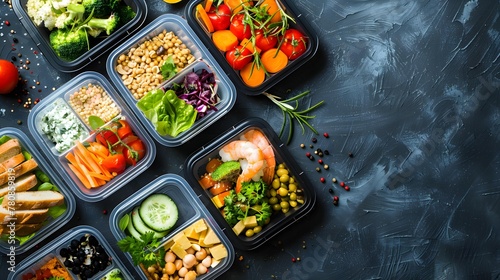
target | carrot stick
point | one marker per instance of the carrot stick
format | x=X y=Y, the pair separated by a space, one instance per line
x=248 y=44
x=87 y=157
x=204 y=18
x=224 y=40
x=208 y=5
x=252 y=75
x=274 y=60
x=272 y=9
x=80 y=176
x=85 y=171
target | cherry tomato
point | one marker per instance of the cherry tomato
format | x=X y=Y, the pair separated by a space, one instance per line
x=135 y=153
x=8 y=75
x=124 y=130
x=294 y=43
x=115 y=163
x=265 y=42
x=239 y=28
x=239 y=57
x=106 y=136
x=220 y=16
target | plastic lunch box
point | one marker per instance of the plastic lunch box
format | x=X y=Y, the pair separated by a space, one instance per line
x=53 y=249
x=300 y=24
x=58 y=158
x=195 y=167
x=204 y=60
x=190 y=209
x=40 y=35
x=51 y=224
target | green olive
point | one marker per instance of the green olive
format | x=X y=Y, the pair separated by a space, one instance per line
x=285 y=210
x=276 y=207
x=249 y=232
x=281 y=166
x=272 y=192
x=292 y=187
x=293 y=196
x=273 y=200
x=284 y=204
x=257 y=229
x=292 y=180
x=282 y=192
x=281 y=172
x=293 y=203
x=284 y=178
x=276 y=183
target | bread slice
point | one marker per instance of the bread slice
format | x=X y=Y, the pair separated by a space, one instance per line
x=20 y=229
x=9 y=149
x=22 y=183
x=23 y=216
x=19 y=170
x=34 y=200
x=11 y=162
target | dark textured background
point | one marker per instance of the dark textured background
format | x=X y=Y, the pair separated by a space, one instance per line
x=411 y=89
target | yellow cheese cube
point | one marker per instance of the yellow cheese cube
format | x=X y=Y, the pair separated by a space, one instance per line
x=218 y=252
x=201 y=240
x=250 y=221
x=191 y=233
x=239 y=227
x=168 y=244
x=218 y=203
x=182 y=240
x=177 y=249
x=200 y=225
x=211 y=238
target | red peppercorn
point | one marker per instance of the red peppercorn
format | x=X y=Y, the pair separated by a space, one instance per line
x=104 y=211
x=308 y=154
x=322 y=179
x=320 y=161
x=326 y=135
x=347 y=188
x=7 y=23
x=294 y=259
x=335 y=198
x=342 y=184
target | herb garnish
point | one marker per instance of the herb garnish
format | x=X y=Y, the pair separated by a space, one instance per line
x=290 y=113
x=144 y=251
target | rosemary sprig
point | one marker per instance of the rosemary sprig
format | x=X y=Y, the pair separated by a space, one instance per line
x=291 y=112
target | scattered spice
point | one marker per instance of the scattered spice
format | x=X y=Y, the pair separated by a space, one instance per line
x=7 y=23
x=334 y=180
x=322 y=179
x=330 y=190
x=335 y=198
x=15 y=40
x=320 y=161
x=308 y=154
x=19 y=122
x=326 y=152
x=311 y=157
x=342 y=184
x=326 y=167
x=294 y=259
x=314 y=140
x=351 y=155
x=302 y=145
x=318 y=169
x=326 y=135
x=347 y=188
x=104 y=212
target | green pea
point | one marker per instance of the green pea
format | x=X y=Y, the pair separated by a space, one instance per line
x=293 y=203
x=281 y=172
x=273 y=200
x=284 y=178
x=257 y=229
x=293 y=196
x=272 y=192
x=285 y=210
x=282 y=192
x=276 y=183
x=249 y=232
x=276 y=207
x=292 y=187
x=292 y=180
x=284 y=205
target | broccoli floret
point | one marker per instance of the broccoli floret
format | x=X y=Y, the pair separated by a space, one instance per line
x=68 y=43
x=114 y=274
x=72 y=17
x=126 y=14
x=97 y=25
x=99 y=8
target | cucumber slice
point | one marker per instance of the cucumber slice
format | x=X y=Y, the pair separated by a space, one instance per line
x=159 y=212
x=133 y=232
x=141 y=227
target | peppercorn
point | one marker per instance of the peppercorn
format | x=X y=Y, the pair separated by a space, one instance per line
x=13 y=58
x=19 y=122
x=330 y=190
x=311 y=146
x=308 y=154
x=335 y=198
x=322 y=179
x=335 y=202
x=314 y=140
x=326 y=135
x=294 y=260
x=326 y=166
x=7 y=23
x=320 y=161
x=347 y=188
x=351 y=155
x=342 y=184
x=302 y=145
x=318 y=169
x=334 y=180
x=104 y=211
x=326 y=152
x=311 y=157
x=15 y=40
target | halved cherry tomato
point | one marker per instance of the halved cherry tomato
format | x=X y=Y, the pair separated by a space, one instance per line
x=135 y=153
x=106 y=137
x=239 y=57
x=240 y=29
x=264 y=41
x=115 y=163
x=294 y=43
x=124 y=130
x=206 y=181
x=220 y=16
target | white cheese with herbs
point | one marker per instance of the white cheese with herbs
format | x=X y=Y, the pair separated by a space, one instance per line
x=62 y=126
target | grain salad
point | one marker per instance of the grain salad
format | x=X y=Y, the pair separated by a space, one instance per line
x=140 y=67
x=92 y=100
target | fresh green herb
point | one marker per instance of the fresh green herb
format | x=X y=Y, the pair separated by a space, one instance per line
x=291 y=112
x=95 y=122
x=144 y=251
x=249 y=201
x=123 y=223
x=168 y=69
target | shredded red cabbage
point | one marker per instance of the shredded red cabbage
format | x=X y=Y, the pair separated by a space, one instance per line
x=198 y=90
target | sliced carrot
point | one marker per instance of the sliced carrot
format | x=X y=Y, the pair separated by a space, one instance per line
x=204 y=18
x=208 y=5
x=272 y=9
x=87 y=157
x=248 y=44
x=85 y=171
x=80 y=176
x=252 y=75
x=224 y=40
x=237 y=5
x=274 y=60
x=222 y=196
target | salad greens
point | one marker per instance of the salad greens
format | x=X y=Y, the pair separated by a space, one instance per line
x=169 y=114
x=251 y=200
x=143 y=251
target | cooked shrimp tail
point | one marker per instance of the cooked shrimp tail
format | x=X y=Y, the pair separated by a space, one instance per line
x=257 y=137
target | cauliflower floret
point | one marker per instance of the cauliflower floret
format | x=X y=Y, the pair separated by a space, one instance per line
x=59 y=4
x=52 y=13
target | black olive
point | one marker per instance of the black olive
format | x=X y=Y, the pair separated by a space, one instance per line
x=75 y=243
x=64 y=252
x=76 y=270
x=68 y=263
x=93 y=241
x=83 y=239
x=77 y=262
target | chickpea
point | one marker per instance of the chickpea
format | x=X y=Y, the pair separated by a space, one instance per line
x=182 y=272
x=190 y=275
x=170 y=268
x=178 y=264
x=257 y=229
x=282 y=191
x=276 y=183
x=201 y=269
x=284 y=205
x=284 y=178
x=281 y=171
x=200 y=255
x=170 y=257
x=207 y=261
x=293 y=203
x=189 y=260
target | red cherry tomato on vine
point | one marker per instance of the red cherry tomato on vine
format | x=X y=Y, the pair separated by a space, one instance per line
x=106 y=136
x=115 y=163
x=9 y=76
x=135 y=153
x=240 y=29
x=124 y=130
x=294 y=43
x=265 y=42
x=239 y=57
x=220 y=16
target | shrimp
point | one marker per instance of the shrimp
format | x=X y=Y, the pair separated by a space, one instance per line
x=251 y=159
x=257 y=137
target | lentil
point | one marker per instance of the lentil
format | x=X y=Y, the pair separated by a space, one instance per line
x=140 y=67
x=93 y=100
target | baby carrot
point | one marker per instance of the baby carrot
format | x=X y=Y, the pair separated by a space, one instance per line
x=224 y=40
x=204 y=18
x=208 y=5
x=274 y=60
x=272 y=9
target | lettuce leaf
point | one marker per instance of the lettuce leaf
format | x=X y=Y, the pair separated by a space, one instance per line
x=169 y=114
